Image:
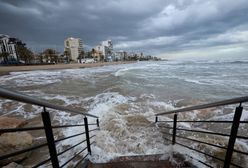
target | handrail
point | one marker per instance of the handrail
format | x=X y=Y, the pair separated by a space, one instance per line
x=232 y=136
x=48 y=128
x=209 y=105
x=14 y=95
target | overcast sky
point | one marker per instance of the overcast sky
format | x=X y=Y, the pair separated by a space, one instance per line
x=168 y=28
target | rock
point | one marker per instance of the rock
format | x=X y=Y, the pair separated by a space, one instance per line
x=17 y=140
x=12 y=142
x=13 y=165
x=7 y=122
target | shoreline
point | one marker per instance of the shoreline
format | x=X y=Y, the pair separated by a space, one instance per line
x=5 y=70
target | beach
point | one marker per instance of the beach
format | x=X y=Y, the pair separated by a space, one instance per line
x=5 y=70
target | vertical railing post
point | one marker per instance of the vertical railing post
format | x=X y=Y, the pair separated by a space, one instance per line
x=174 y=129
x=156 y=119
x=97 y=122
x=233 y=136
x=87 y=134
x=50 y=138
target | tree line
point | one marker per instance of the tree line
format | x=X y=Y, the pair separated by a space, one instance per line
x=27 y=56
x=51 y=56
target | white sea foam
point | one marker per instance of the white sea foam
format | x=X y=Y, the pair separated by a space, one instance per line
x=127 y=123
x=196 y=82
x=30 y=78
x=142 y=66
x=162 y=106
x=102 y=105
x=121 y=72
x=19 y=109
x=229 y=116
x=123 y=132
x=188 y=154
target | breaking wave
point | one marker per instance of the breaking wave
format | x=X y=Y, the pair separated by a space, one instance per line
x=126 y=99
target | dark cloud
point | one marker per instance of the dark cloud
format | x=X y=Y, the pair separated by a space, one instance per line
x=152 y=26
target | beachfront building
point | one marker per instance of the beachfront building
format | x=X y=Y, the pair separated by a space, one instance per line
x=8 y=49
x=73 y=47
x=106 y=49
x=120 y=56
x=97 y=55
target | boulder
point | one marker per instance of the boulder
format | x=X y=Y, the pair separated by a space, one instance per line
x=13 y=165
x=12 y=142
x=8 y=122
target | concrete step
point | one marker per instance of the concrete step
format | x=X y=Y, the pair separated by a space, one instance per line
x=144 y=161
x=133 y=164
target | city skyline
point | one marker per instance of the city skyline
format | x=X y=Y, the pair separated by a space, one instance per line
x=164 y=28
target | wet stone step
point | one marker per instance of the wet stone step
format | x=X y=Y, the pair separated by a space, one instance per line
x=140 y=164
x=144 y=161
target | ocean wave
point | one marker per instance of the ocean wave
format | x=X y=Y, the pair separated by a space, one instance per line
x=102 y=103
x=195 y=81
x=125 y=128
x=45 y=77
x=123 y=71
x=126 y=121
x=162 y=106
x=18 y=109
x=31 y=78
x=238 y=62
x=224 y=61
x=138 y=66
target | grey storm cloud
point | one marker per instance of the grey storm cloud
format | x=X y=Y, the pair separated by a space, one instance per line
x=152 y=26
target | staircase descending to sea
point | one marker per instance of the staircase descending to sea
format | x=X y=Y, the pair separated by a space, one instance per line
x=173 y=132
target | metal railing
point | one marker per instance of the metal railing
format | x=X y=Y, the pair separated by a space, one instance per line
x=48 y=129
x=182 y=135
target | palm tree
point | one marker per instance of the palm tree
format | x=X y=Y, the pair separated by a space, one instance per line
x=67 y=56
x=4 y=56
x=40 y=58
x=25 y=54
x=81 y=55
x=51 y=55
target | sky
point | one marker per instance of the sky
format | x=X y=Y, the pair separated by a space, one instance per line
x=165 y=28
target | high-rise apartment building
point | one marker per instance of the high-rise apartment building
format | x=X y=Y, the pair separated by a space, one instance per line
x=73 y=46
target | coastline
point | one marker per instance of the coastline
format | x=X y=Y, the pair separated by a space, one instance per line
x=5 y=70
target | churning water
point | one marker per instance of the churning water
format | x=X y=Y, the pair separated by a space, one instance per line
x=126 y=98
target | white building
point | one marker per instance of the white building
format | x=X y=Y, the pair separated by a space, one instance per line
x=8 y=45
x=120 y=55
x=106 y=48
x=73 y=46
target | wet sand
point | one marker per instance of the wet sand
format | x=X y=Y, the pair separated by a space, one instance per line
x=5 y=70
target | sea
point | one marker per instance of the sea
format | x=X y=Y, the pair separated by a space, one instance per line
x=126 y=98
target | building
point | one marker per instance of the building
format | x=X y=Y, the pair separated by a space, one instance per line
x=97 y=55
x=73 y=47
x=120 y=56
x=8 y=45
x=106 y=49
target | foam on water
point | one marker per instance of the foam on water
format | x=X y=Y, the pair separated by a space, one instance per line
x=127 y=105
x=162 y=106
x=45 y=77
x=140 y=66
x=30 y=78
x=124 y=131
x=121 y=71
x=19 y=109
